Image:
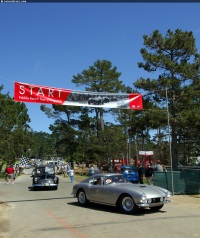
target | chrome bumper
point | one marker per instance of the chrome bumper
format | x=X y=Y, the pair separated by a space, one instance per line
x=152 y=204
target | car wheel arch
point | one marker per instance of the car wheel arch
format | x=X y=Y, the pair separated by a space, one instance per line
x=122 y=201
x=120 y=197
x=57 y=180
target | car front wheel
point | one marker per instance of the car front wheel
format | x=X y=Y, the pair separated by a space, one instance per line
x=127 y=204
x=56 y=188
x=82 y=200
x=157 y=208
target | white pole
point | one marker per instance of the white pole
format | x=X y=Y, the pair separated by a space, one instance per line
x=170 y=149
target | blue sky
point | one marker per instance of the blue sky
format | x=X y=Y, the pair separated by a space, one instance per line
x=47 y=43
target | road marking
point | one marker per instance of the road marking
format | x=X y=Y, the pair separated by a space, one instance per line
x=64 y=224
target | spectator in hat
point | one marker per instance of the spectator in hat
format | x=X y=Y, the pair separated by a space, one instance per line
x=149 y=173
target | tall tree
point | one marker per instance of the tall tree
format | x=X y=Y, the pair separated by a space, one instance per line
x=41 y=146
x=175 y=62
x=14 y=121
x=65 y=128
x=101 y=77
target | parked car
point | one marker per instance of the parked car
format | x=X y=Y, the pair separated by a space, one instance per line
x=44 y=176
x=115 y=190
x=28 y=166
x=130 y=173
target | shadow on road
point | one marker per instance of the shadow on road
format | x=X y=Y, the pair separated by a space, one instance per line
x=36 y=200
x=111 y=209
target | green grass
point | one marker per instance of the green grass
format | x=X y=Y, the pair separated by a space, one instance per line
x=79 y=178
x=2 y=176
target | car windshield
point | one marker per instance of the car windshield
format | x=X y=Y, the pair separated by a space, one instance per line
x=115 y=179
x=44 y=170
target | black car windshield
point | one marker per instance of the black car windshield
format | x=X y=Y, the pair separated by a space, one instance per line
x=115 y=179
x=44 y=170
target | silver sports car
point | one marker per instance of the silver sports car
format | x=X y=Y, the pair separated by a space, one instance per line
x=115 y=190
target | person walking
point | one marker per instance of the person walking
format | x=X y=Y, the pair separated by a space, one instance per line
x=14 y=175
x=65 y=169
x=9 y=174
x=158 y=167
x=140 y=173
x=149 y=172
x=71 y=174
x=97 y=171
x=91 y=170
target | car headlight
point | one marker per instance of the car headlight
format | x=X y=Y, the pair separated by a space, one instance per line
x=168 y=194
x=143 y=198
x=149 y=200
x=35 y=179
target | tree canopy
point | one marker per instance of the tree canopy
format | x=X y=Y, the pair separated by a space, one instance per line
x=14 y=121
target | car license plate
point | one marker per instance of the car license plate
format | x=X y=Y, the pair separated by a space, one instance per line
x=46 y=184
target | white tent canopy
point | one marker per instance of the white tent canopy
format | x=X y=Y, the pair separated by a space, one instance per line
x=146 y=153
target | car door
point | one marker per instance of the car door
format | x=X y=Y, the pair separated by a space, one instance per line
x=96 y=190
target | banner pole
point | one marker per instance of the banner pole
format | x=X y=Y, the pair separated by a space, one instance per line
x=170 y=150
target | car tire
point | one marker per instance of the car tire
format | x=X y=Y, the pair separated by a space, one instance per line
x=157 y=208
x=82 y=199
x=35 y=188
x=127 y=204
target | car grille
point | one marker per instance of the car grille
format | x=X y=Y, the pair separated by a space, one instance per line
x=155 y=200
x=46 y=181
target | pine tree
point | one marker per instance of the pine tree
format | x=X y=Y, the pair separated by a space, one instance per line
x=174 y=60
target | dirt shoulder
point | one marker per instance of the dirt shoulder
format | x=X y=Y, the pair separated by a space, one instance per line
x=4 y=221
x=192 y=201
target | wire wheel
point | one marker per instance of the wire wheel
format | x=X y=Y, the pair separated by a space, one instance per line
x=127 y=204
x=82 y=200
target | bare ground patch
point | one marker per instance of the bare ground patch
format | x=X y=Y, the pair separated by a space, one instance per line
x=192 y=201
x=4 y=224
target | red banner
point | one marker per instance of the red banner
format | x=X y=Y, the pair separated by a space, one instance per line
x=47 y=95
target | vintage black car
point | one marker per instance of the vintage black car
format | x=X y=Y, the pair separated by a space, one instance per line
x=44 y=176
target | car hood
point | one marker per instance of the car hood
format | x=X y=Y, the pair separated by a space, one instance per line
x=144 y=188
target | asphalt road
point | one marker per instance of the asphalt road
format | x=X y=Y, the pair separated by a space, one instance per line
x=52 y=214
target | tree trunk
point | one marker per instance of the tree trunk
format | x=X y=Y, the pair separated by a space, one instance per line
x=101 y=120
